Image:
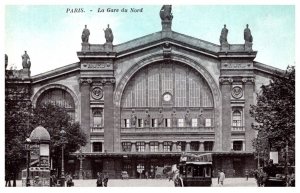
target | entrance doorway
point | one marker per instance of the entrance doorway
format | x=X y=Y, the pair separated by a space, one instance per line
x=238 y=165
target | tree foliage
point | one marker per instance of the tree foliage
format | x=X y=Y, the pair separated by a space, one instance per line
x=275 y=113
x=17 y=126
x=21 y=118
x=54 y=118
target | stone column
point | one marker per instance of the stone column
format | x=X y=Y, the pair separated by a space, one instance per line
x=249 y=100
x=188 y=146
x=201 y=146
x=85 y=110
x=110 y=140
x=147 y=147
x=174 y=146
x=133 y=147
x=160 y=146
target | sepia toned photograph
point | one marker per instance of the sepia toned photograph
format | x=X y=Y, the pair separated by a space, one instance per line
x=149 y=95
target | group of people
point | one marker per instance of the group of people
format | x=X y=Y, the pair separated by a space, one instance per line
x=54 y=182
x=8 y=178
x=102 y=179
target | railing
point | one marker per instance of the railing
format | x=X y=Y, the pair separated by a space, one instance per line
x=97 y=130
x=237 y=128
x=159 y=130
x=167 y=130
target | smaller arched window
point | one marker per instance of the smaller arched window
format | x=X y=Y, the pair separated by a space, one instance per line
x=98 y=117
x=236 y=118
x=58 y=97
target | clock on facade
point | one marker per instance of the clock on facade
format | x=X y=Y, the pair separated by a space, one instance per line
x=237 y=92
x=167 y=97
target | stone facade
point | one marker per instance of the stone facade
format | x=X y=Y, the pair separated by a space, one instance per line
x=140 y=137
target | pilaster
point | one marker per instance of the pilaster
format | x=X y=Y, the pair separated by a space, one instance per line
x=110 y=141
x=249 y=100
x=225 y=85
x=85 y=110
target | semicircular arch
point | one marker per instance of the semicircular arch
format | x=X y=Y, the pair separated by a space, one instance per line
x=157 y=58
x=212 y=84
x=44 y=89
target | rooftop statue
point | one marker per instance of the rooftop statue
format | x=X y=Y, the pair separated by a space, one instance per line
x=247 y=34
x=166 y=13
x=223 y=36
x=108 y=35
x=85 y=35
x=6 y=61
x=26 y=60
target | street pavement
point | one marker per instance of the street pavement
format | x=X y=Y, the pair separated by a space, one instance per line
x=229 y=182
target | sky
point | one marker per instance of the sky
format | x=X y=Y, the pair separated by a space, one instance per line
x=51 y=35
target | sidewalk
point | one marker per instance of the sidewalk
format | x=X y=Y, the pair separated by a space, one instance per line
x=229 y=182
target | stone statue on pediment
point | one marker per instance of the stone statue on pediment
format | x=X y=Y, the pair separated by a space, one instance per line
x=201 y=119
x=174 y=119
x=133 y=119
x=160 y=118
x=147 y=119
x=166 y=13
x=188 y=118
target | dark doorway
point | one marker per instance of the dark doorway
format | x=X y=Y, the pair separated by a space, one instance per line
x=238 y=166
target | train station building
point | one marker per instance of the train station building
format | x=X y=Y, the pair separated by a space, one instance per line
x=143 y=102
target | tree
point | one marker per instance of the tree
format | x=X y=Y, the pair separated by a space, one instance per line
x=17 y=126
x=54 y=118
x=275 y=114
x=21 y=118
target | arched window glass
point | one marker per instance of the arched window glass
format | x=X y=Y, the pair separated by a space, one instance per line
x=236 y=118
x=60 y=98
x=186 y=87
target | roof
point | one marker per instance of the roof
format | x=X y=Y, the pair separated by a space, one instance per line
x=199 y=163
x=39 y=134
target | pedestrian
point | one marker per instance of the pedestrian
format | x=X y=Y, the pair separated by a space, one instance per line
x=247 y=174
x=177 y=179
x=222 y=177
x=7 y=180
x=105 y=179
x=219 y=176
x=70 y=182
x=99 y=179
x=256 y=177
x=37 y=182
x=51 y=181
x=146 y=175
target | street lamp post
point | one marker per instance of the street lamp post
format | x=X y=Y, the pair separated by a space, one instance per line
x=81 y=158
x=27 y=148
x=62 y=133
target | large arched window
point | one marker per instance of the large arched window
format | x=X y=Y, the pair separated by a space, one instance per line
x=58 y=97
x=184 y=86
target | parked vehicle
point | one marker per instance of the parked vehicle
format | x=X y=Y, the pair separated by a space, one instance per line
x=196 y=170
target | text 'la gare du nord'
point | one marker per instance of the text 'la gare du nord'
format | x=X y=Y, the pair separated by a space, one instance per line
x=102 y=10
